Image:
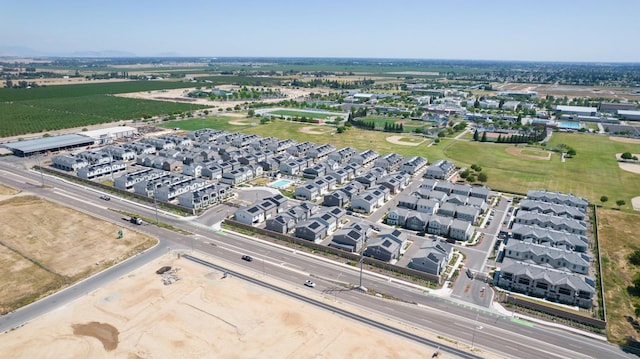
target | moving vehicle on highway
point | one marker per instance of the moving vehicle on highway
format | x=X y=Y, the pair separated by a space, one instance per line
x=105 y=197
x=247 y=258
x=309 y=283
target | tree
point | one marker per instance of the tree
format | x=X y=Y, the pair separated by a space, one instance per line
x=634 y=257
x=627 y=156
x=571 y=152
x=603 y=199
x=340 y=129
x=482 y=177
x=475 y=135
x=464 y=174
x=251 y=113
x=620 y=203
x=484 y=137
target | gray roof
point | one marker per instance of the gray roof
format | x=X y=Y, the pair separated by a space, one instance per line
x=552 y=237
x=538 y=250
x=552 y=276
x=48 y=143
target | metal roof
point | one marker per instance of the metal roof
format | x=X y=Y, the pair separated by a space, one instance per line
x=48 y=143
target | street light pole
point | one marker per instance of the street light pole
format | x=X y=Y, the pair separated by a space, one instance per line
x=155 y=204
x=361 y=260
x=40 y=168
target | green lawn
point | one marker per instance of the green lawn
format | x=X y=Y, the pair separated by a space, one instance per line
x=408 y=125
x=310 y=114
x=593 y=173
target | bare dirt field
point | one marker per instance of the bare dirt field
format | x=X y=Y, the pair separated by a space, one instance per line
x=45 y=246
x=625 y=139
x=314 y=130
x=180 y=95
x=405 y=140
x=7 y=191
x=522 y=152
x=203 y=315
x=620 y=93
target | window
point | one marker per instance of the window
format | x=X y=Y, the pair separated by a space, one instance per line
x=542 y=285
x=564 y=291
x=524 y=281
x=507 y=276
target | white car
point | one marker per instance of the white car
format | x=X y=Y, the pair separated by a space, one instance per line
x=309 y=283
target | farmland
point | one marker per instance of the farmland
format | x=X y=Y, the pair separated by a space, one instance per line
x=51 y=108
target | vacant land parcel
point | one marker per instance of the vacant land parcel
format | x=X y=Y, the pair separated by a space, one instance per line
x=201 y=316
x=45 y=247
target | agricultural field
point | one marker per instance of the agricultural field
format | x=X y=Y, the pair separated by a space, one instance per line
x=69 y=106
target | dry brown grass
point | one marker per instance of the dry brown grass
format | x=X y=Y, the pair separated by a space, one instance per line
x=46 y=246
x=618 y=238
x=531 y=154
x=7 y=191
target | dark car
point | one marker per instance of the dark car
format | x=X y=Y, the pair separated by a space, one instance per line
x=105 y=197
x=163 y=270
x=247 y=258
x=421 y=234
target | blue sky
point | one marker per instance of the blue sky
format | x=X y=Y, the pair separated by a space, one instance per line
x=541 y=30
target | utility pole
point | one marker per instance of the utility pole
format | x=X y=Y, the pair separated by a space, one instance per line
x=155 y=204
x=361 y=260
x=40 y=168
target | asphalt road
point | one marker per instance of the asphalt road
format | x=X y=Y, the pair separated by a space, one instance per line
x=448 y=317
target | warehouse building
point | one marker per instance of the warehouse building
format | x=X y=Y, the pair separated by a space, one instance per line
x=47 y=144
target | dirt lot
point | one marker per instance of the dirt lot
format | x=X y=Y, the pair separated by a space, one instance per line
x=522 y=152
x=201 y=315
x=45 y=247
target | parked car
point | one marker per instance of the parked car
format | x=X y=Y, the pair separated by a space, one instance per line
x=163 y=270
x=105 y=197
x=309 y=283
x=247 y=258
x=421 y=234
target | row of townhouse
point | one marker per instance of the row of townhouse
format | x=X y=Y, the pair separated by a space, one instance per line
x=140 y=148
x=441 y=169
x=370 y=200
x=549 y=237
x=98 y=170
x=315 y=188
x=343 y=155
x=321 y=152
x=68 y=162
x=554 y=209
x=95 y=157
x=446 y=226
x=432 y=257
x=120 y=153
x=365 y=158
x=390 y=162
x=353 y=237
x=209 y=195
x=286 y=221
x=262 y=210
x=319 y=226
x=168 y=192
x=387 y=246
x=413 y=164
x=553 y=222
x=342 y=196
x=555 y=257
x=544 y=282
x=450 y=188
x=397 y=215
x=545 y=256
x=147 y=187
x=558 y=198
x=127 y=181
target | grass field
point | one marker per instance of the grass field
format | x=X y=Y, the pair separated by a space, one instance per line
x=309 y=114
x=617 y=240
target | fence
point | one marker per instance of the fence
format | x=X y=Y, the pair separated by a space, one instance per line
x=338 y=252
x=558 y=312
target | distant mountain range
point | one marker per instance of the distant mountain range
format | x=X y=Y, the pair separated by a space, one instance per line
x=21 y=51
